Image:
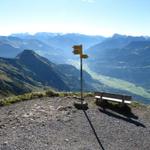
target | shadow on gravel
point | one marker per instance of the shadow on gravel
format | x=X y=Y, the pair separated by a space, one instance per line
x=127 y=118
x=123 y=110
x=93 y=129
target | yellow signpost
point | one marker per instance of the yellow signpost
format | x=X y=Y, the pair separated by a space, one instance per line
x=77 y=50
x=84 y=56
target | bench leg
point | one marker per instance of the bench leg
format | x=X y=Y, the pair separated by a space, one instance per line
x=122 y=104
x=97 y=101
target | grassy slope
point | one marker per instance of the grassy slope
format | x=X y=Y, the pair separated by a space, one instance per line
x=13 y=81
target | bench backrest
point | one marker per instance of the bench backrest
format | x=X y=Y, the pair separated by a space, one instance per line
x=118 y=96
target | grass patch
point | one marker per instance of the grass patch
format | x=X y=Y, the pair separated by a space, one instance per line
x=72 y=94
x=19 y=98
x=136 y=104
x=51 y=93
x=34 y=95
x=76 y=94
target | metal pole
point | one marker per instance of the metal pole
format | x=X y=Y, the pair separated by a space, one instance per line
x=81 y=79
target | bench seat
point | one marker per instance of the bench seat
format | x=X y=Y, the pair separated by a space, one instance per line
x=103 y=96
x=113 y=99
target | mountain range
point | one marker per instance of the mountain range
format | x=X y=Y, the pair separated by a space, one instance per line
x=123 y=57
x=29 y=71
x=55 y=47
x=121 y=63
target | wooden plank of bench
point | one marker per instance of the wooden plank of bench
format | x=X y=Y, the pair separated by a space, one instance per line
x=113 y=99
x=117 y=96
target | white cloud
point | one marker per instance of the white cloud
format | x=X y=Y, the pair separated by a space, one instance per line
x=89 y=1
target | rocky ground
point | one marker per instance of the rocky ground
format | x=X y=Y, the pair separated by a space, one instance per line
x=54 y=124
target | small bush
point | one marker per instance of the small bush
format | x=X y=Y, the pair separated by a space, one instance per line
x=137 y=104
x=2 y=102
x=9 y=100
x=51 y=93
x=37 y=95
x=88 y=94
x=65 y=94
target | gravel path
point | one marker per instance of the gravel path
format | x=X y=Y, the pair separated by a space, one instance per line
x=54 y=124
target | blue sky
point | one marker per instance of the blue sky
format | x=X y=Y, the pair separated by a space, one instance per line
x=94 y=17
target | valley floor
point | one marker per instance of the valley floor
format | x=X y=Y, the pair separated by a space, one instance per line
x=54 y=124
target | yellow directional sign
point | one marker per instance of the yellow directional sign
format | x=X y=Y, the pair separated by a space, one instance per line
x=84 y=56
x=77 y=49
x=77 y=52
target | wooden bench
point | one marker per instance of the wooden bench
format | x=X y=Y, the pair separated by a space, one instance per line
x=103 y=96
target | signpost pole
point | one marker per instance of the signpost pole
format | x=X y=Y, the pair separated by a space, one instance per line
x=81 y=79
x=77 y=50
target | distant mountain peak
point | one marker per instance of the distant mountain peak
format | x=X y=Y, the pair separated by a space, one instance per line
x=29 y=56
x=45 y=34
x=26 y=53
x=116 y=36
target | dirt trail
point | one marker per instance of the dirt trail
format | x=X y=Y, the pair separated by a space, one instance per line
x=54 y=124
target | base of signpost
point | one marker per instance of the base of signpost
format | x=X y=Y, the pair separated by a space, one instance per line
x=81 y=105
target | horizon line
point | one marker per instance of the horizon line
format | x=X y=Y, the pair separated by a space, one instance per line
x=64 y=33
